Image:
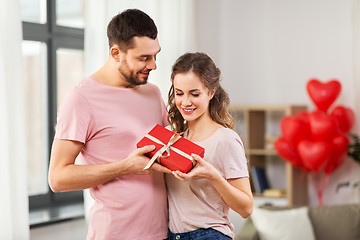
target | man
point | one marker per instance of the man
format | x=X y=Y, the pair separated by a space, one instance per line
x=103 y=118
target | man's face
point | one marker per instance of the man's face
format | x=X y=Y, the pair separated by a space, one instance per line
x=137 y=62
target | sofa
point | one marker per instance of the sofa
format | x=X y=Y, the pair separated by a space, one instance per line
x=338 y=222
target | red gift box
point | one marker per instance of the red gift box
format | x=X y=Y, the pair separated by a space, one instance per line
x=171 y=150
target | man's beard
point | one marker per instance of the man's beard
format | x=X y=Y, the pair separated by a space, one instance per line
x=131 y=77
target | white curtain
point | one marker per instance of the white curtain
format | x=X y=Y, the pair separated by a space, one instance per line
x=356 y=45
x=175 y=22
x=14 y=213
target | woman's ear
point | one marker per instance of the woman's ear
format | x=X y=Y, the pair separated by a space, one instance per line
x=212 y=93
x=115 y=52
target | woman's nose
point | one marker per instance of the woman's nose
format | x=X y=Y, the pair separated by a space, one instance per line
x=186 y=101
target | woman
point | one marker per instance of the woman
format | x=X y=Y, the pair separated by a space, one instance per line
x=199 y=201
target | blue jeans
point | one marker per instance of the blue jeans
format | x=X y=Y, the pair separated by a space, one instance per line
x=199 y=234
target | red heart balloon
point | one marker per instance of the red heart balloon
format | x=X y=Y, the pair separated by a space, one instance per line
x=322 y=125
x=314 y=154
x=287 y=151
x=344 y=116
x=323 y=94
x=304 y=116
x=333 y=164
x=339 y=146
x=293 y=129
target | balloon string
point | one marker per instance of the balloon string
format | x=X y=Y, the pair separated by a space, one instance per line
x=325 y=182
x=321 y=189
x=313 y=184
x=320 y=197
x=319 y=182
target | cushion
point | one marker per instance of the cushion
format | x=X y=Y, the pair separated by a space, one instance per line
x=336 y=222
x=291 y=224
x=248 y=231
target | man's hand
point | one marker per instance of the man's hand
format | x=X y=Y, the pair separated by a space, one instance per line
x=136 y=162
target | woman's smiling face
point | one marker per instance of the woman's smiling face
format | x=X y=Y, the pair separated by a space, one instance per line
x=191 y=96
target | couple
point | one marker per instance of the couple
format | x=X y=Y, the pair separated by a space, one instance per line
x=109 y=112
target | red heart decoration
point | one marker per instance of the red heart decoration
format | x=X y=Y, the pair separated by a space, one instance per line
x=322 y=125
x=339 y=146
x=303 y=116
x=314 y=154
x=287 y=151
x=293 y=129
x=323 y=94
x=344 y=116
x=333 y=164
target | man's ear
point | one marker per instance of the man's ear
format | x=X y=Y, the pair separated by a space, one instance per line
x=115 y=52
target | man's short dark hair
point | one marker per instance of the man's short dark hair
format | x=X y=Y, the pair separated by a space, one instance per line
x=128 y=24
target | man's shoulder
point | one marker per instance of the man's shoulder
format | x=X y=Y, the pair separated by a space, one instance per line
x=76 y=93
x=83 y=84
x=150 y=87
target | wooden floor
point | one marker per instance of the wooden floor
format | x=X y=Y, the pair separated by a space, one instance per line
x=77 y=229
x=69 y=230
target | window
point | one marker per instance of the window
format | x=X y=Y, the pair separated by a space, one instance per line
x=53 y=60
x=34 y=62
x=70 y=70
x=33 y=11
x=69 y=13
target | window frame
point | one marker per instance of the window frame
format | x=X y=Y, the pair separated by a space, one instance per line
x=54 y=37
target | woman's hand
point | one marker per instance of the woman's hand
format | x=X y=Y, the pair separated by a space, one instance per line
x=203 y=169
x=235 y=192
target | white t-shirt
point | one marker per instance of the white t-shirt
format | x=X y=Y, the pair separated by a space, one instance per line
x=196 y=204
x=109 y=121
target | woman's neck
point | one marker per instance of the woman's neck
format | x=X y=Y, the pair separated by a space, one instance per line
x=201 y=129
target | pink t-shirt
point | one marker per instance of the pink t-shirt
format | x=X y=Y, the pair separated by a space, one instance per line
x=195 y=203
x=109 y=121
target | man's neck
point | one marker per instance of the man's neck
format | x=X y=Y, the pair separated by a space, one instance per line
x=109 y=75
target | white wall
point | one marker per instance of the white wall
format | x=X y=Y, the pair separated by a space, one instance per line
x=266 y=47
x=268 y=50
